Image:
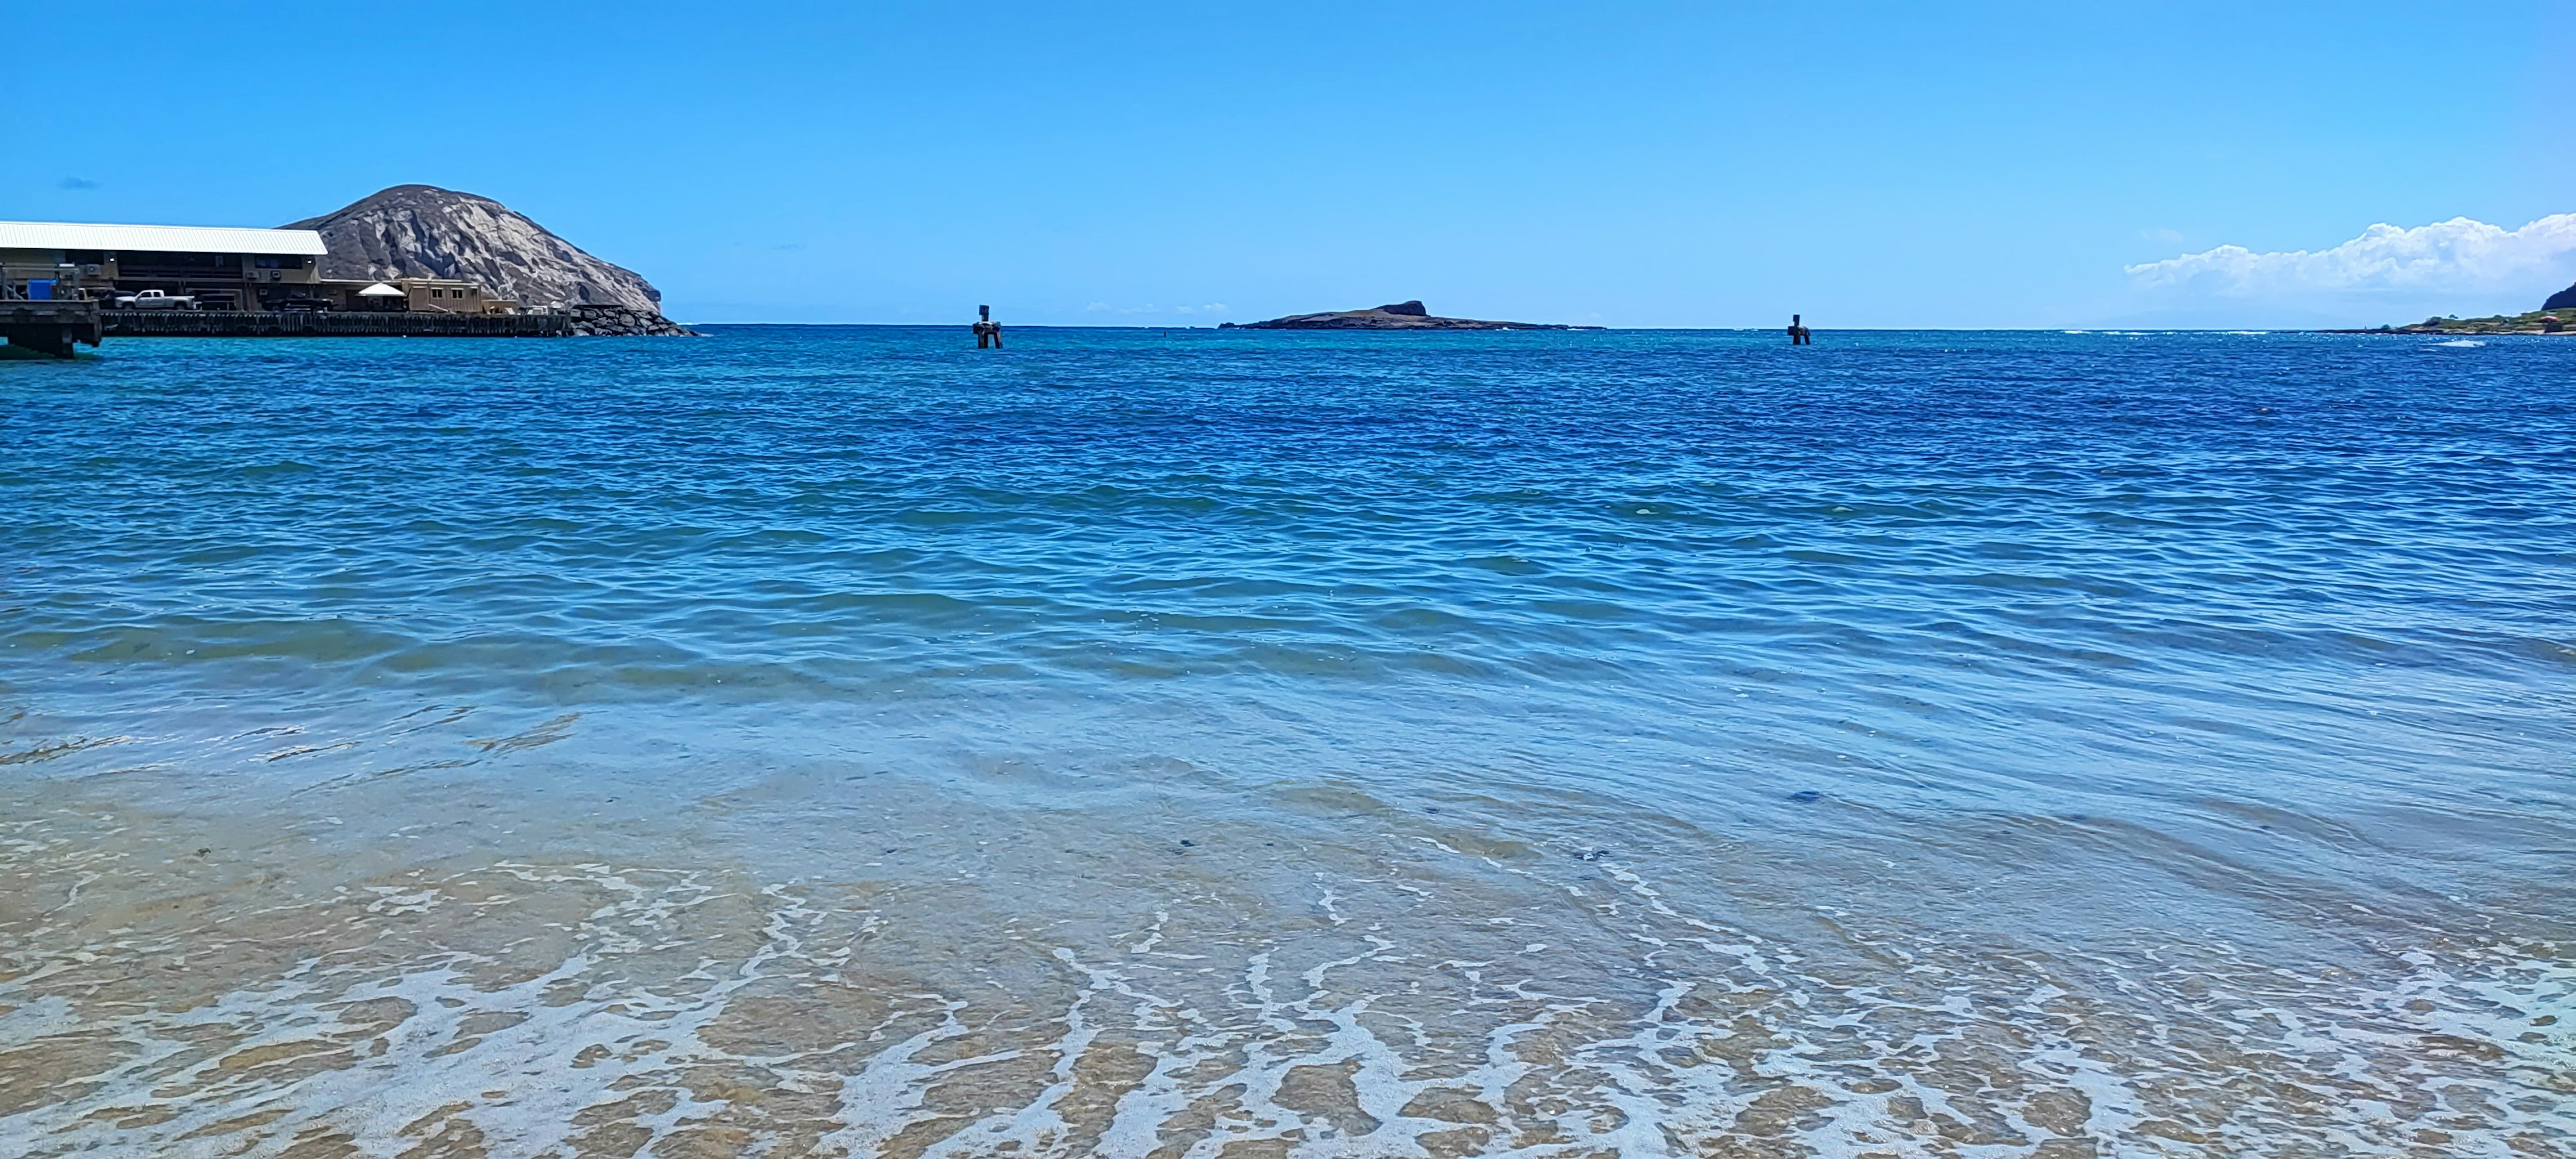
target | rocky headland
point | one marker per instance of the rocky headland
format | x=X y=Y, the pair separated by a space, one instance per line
x=1398 y=316
x=423 y=231
x=2557 y=315
x=2543 y=321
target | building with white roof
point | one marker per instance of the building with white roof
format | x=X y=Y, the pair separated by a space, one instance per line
x=224 y=268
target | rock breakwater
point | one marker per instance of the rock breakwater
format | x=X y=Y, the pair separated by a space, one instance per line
x=613 y=321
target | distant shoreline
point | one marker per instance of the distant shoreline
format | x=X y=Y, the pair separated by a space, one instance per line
x=1767 y=330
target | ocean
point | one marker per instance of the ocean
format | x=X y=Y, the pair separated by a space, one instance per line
x=844 y=742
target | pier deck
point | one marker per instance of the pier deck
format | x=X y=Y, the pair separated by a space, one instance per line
x=296 y=324
x=52 y=327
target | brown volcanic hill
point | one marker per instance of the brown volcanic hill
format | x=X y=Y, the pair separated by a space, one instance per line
x=1398 y=316
x=422 y=231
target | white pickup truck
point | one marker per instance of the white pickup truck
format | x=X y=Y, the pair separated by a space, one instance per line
x=155 y=300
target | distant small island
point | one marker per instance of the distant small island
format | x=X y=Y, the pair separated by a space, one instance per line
x=1399 y=316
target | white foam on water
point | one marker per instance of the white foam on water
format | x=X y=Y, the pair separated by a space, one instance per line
x=41 y=1018
x=394 y=1081
x=886 y=1095
x=1392 y=1013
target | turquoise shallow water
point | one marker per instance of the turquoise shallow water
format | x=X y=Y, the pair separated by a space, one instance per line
x=841 y=741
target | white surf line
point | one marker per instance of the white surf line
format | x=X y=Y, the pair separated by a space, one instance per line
x=521 y=1084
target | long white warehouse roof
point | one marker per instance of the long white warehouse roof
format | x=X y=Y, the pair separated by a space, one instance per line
x=186 y=239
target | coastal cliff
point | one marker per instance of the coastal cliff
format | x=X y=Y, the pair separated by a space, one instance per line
x=422 y=231
x=1397 y=316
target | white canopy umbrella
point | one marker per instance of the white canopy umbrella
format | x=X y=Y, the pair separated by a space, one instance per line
x=381 y=290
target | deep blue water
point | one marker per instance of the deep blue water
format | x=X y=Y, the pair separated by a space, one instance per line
x=2042 y=639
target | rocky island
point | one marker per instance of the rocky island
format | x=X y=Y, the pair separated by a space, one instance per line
x=423 y=231
x=1399 y=316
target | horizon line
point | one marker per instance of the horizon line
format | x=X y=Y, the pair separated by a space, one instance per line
x=2101 y=329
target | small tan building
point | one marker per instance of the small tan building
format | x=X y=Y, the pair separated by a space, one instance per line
x=451 y=296
x=416 y=295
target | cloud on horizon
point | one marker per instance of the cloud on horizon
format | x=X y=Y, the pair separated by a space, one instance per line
x=1150 y=308
x=2462 y=256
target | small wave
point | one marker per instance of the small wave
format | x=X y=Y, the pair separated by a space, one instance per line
x=2460 y=342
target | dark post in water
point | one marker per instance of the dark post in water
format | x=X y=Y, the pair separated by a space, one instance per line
x=1799 y=335
x=988 y=333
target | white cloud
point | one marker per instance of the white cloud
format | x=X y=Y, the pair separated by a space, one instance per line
x=1151 y=308
x=2459 y=255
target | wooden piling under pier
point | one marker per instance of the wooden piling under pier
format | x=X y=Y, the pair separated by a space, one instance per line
x=301 y=324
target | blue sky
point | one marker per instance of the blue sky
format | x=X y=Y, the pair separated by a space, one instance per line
x=1625 y=164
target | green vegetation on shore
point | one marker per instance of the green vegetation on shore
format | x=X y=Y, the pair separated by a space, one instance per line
x=2535 y=322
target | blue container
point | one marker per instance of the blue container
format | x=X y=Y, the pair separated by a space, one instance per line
x=40 y=291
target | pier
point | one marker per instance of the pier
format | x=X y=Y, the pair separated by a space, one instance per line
x=328 y=324
x=50 y=326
